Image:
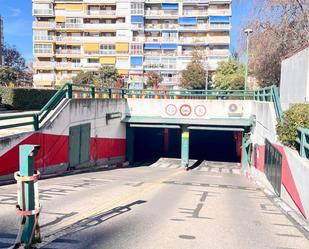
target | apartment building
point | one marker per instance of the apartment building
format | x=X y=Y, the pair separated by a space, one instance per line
x=137 y=36
x=1 y=41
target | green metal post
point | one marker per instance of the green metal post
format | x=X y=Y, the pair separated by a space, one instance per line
x=122 y=93
x=36 y=122
x=26 y=167
x=185 y=146
x=302 y=151
x=92 y=92
x=245 y=153
x=70 y=91
x=110 y=93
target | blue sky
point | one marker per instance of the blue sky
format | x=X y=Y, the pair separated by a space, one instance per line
x=17 y=16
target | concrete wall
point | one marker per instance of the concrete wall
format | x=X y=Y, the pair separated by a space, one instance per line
x=107 y=137
x=294 y=85
x=295 y=170
x=186 y=108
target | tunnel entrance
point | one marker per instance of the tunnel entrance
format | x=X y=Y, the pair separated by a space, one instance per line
x=148 y=144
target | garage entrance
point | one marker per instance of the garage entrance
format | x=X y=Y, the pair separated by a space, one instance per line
x=148 y=143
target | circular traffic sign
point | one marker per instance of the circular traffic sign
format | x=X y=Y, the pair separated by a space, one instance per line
x=185 y=110
x=200 y=110
x=170 y=110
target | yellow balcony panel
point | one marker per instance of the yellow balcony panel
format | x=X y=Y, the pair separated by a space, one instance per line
x=69 y=56
x=91 y=47
x=60 y=19
x=41 y=56
x=123 y=71
x=69 y=7
x=108 y=60
x=122 y=47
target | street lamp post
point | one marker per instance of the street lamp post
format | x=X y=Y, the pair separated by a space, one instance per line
x=247 y=32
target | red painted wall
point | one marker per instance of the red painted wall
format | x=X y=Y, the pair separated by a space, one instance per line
x=287 y=177
x=55 y=150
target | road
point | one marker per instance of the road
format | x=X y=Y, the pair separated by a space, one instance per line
x=157 y=206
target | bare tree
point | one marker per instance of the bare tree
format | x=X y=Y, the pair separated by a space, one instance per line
x=280 y=26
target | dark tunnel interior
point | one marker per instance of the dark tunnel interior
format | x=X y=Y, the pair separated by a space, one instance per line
x=150 y=144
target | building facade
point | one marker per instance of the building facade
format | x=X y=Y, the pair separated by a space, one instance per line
x=1 y=41
x=137 y=36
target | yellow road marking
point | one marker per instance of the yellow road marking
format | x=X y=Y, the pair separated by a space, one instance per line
x=110 y=205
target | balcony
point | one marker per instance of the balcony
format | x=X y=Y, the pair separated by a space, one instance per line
x=69 y=26
x=43 y=51
x=43 y=64
x=38 y=38
x=160 y=53
x=68 y=52
x=219 y=26
x=204 y=26
x=195 y=12
x=105 y=51
x=219 y=39
x=159 y=66
x=160 y=26
x=68 y=65
x=43 y=25
x=137 y=26
x=162 y=13
x=43 y=12
x=46 y=77
x=101 y=12
x=92 y=65
x=69 y=39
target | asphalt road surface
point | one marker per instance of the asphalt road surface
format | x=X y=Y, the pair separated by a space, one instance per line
x=157 y=206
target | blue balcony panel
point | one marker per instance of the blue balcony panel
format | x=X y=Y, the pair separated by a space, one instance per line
x=170 y=6
x=219 y=19
x=136 y=61
x=152 y=46
x=137 y=19
x=169 y=46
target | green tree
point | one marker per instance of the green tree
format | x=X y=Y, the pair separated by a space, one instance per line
x=14 y=60
x=151 y=80
x=84 y=78
x=8 y=76
x=107 y=76
x=230 y=75
x=194 y=76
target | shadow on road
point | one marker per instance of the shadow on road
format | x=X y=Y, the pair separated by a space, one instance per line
x=87 y=223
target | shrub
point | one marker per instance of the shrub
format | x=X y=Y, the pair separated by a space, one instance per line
x=25 y=98
x=296 y=116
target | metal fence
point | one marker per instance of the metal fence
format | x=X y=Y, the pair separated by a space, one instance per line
x=79 y=91
x=303 y=142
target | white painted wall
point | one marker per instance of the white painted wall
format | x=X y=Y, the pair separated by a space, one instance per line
x=294 y=84
x=266 y=122
x=214 y=108
x=83 y=111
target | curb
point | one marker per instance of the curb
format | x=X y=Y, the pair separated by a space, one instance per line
x=291 y=214
x=74 y=172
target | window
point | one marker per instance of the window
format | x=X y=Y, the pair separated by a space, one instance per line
x=136 y=48
x=107 y=48
x=137 y=8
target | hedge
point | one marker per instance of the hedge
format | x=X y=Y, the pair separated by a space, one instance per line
x=296 y=116
x=25 y=98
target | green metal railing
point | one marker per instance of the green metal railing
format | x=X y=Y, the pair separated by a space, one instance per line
x=303 y=141
x=79 y=91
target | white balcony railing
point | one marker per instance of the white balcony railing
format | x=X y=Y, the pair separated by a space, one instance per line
x=43 y=51
x=69 y=65
x=68 y=51
x=43 y=64
x=43 y=25
x=43 y=38
x=44 y=77
x=101 y=12
x=43 y=12
x=161 y=13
